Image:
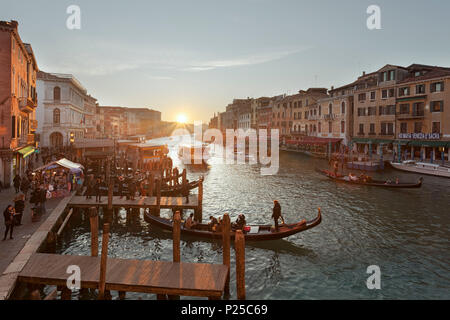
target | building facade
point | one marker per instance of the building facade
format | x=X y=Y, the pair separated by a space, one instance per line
x=18 y=102
x=61 y=110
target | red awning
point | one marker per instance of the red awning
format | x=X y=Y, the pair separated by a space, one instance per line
x=314 y=141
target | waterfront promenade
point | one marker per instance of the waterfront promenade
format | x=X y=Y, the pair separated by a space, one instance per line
x=10 y=249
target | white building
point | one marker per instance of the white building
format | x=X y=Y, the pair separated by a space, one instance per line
x=244 y=120
x=61 y=109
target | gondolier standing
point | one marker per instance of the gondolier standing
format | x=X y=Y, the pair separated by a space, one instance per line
x=277 y=214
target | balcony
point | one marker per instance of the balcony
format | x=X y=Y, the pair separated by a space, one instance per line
x=330 y=116
x=30 y=139
x=414 y=115
x=387 y=134
x=27 y=105
x=361 y=134
x=33 y=125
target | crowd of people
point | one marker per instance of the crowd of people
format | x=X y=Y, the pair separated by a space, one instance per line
x=36 y=188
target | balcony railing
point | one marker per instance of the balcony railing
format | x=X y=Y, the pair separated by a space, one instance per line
x=27 y=105
x=414 y=115
x=33 y=125
x=361 y=134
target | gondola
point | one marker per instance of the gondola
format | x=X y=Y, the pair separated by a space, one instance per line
x=256 y=232
x=373 y=183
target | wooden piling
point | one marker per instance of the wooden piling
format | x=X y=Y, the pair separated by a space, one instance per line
x=93 y=217
x=158 y=196
x=198 y=212
x=183 y=177
x=122 y=295
x=176 y=236
x=103 y=261
x=66 y=293
x=239 y=245
x=226 y=229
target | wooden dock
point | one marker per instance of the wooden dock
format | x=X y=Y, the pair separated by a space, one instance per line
x=157 y=277
x=144 y=202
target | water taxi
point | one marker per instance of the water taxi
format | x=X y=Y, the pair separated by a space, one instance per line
x=192 y=154
x=431 y=169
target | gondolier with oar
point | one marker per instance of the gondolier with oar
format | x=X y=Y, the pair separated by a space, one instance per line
x=277 y=214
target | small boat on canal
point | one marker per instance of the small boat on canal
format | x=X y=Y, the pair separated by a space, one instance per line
x=422 y=168
x=251 y=232
x=371 y=182
x=194 y=155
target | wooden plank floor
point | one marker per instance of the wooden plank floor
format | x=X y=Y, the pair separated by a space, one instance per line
x=144 y=202
x=157 y=277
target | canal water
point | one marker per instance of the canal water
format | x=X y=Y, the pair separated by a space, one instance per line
x=404 y=232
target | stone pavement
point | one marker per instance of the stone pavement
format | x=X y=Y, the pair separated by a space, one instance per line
x=10 y=248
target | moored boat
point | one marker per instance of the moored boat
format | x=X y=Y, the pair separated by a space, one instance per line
x=372 y=182
x=422 y=168
x=254 y=233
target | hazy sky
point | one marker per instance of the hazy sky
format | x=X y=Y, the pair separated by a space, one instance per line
x=194 y=57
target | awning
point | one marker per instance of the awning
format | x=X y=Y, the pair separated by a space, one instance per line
x=69 y=164
x=372 y=141
x=25 y=152
x=424 y=143
x=314 y=141
x=74 y=167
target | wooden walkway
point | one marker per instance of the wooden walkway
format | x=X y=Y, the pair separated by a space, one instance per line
x=144 y=202
x=157 y=277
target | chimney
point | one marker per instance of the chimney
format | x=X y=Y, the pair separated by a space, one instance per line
x=15 y=24
x=332 y=87
x=364 y=73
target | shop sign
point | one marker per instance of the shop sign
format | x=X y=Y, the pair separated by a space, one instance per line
x=420 y=136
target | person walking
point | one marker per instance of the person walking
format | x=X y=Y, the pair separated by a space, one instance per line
x=16 y=182
x=25 y=186
x=19 y=207
x=8 y=214
x=277 y=214
x=42 y=199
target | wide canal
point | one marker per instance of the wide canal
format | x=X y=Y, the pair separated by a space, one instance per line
x=404 y=232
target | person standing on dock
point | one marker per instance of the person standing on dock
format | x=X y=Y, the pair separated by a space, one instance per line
x=121 y=180
x=8 y=214
x=277 y=214
x=97 y=190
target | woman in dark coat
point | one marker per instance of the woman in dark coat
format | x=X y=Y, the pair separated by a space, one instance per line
x=8 y=214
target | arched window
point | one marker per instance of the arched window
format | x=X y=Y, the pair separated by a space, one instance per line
x=57 y=94
x=330 y=109
x=56 y=116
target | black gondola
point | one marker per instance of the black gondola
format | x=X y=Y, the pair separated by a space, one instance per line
x=373 y=183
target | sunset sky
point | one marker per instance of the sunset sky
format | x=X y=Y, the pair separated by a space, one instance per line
x=194 y=57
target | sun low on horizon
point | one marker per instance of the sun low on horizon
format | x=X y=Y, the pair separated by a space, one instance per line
x=182 y=118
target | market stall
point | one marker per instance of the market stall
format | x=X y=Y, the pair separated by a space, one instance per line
x=59 y=177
